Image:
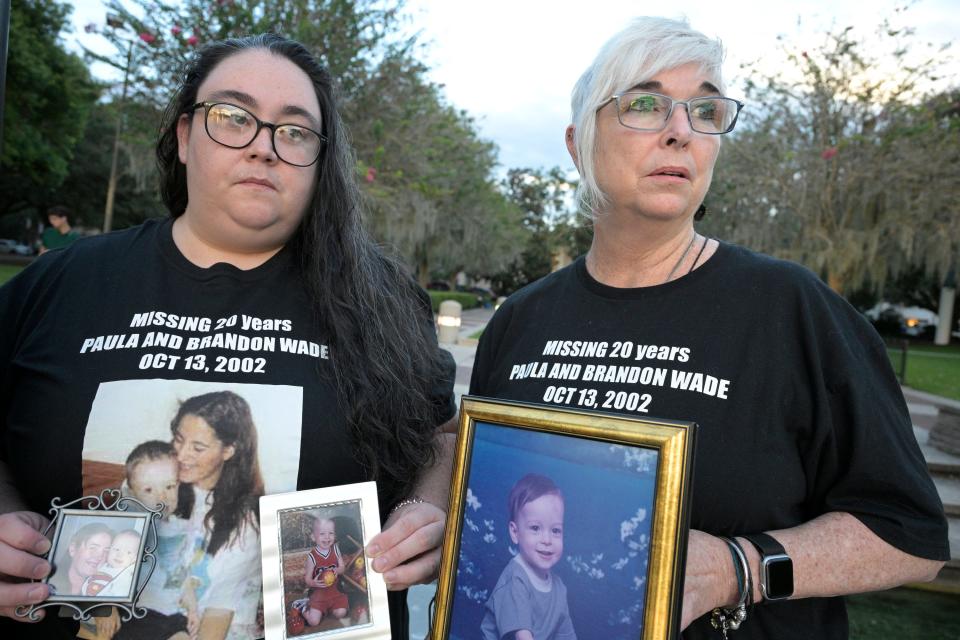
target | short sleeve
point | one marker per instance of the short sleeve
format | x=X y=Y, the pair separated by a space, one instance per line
x=440 y=392
x=19 y=299
x=487 y=350
x=565 y=629
x=512 y=607
x=865 y=460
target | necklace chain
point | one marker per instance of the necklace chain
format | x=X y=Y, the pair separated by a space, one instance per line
x=680 y=261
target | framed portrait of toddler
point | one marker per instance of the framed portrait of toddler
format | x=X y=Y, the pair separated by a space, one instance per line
x=316 y=583
x=566 y=524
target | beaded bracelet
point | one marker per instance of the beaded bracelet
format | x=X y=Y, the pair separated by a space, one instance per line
x=405 y=502
x=726 y=619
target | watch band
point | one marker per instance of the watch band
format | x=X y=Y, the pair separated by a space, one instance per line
x=766 y=544
x=776 y=567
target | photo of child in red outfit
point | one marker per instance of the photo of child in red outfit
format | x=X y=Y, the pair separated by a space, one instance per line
x=324 y=570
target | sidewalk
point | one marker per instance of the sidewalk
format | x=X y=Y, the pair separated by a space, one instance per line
x=471 y=321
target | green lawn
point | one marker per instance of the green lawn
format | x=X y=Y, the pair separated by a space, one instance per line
x=7 y=271
x=931 y=368
x=903 y=613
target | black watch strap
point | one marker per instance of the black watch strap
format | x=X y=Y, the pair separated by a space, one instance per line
x=766 y=544
x=776 y=567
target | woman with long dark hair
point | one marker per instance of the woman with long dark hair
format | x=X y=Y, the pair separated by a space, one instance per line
x=216 y=446
x=261 y=275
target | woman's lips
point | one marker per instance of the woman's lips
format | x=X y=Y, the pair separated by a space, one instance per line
x=667 y=178
x=258 y=183
x=670 y=174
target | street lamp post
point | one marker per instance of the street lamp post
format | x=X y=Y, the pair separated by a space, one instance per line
x=4 y=38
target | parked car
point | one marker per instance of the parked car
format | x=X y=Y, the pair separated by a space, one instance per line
x=907 y=321
x=13 y=247
x=485 y=297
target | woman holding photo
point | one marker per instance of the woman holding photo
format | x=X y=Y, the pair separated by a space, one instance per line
x=263 y=242
x=805 y=454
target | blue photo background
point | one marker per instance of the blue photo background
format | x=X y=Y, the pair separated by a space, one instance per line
x=608 y=492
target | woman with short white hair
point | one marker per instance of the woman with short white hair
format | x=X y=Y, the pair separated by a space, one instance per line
x=808 y=481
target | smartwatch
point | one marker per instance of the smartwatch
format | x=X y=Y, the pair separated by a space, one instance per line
x=776 y=567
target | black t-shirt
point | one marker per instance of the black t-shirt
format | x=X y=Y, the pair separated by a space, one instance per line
x=798 y=409
x=102 y=342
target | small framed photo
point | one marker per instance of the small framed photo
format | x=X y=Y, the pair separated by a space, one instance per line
x=316 y=579
x=101 y=555
x=564 y=523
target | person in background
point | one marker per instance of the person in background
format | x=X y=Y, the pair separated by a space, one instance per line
x=59 y=233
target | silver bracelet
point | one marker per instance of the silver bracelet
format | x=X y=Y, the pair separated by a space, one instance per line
x=405 y=502
x=729 y=619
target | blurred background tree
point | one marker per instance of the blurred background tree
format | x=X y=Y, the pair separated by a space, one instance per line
x=427 y=176
x=49 y=96
x=551 y=226
x=845 y=162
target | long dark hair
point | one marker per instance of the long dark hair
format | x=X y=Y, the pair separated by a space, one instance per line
x=366 y=305
x=236 y=495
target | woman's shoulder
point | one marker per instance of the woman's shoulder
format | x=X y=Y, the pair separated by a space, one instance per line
x=760 y=275
x=96 y=252
x=740 y=258
x=114 y=241
x=546 y=288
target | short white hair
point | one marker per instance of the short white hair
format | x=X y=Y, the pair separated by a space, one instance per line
x=647 y=47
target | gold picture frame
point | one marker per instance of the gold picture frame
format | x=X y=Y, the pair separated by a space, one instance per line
x=620 y=498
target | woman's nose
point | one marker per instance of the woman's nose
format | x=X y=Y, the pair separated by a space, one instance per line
x=678 y=128
x=262 y=145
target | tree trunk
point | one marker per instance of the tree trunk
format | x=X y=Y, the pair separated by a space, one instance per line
x=947 y=296
x=423 y=267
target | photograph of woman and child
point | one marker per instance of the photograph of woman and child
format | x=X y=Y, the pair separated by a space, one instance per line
x=203 y=461
x=555 y=538
x=96 y=556
x=324 y=570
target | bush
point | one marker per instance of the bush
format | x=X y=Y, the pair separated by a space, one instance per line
x=466 y=300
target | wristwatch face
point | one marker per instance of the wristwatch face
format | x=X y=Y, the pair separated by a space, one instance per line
x=778 y=577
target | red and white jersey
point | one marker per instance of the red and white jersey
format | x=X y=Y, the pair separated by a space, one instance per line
x=325 y=562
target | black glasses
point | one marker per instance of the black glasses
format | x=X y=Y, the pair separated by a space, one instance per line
x=646 y=111
x=235 y=127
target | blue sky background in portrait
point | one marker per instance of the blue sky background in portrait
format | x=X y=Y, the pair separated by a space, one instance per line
x=608 y=495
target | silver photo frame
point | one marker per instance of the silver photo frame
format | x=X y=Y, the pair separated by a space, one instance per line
x=92 y=536
x=355 y=606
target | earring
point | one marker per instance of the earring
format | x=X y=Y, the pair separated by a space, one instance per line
x=701 y=211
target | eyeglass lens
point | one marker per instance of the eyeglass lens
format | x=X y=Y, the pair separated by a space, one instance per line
x=651 y=110
x=235 y=127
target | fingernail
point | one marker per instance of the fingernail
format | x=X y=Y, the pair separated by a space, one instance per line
x=42 y=547
x=37 y=595
x=41 y=569
x=379 y=564
x=373 y=550
x=389 y=578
